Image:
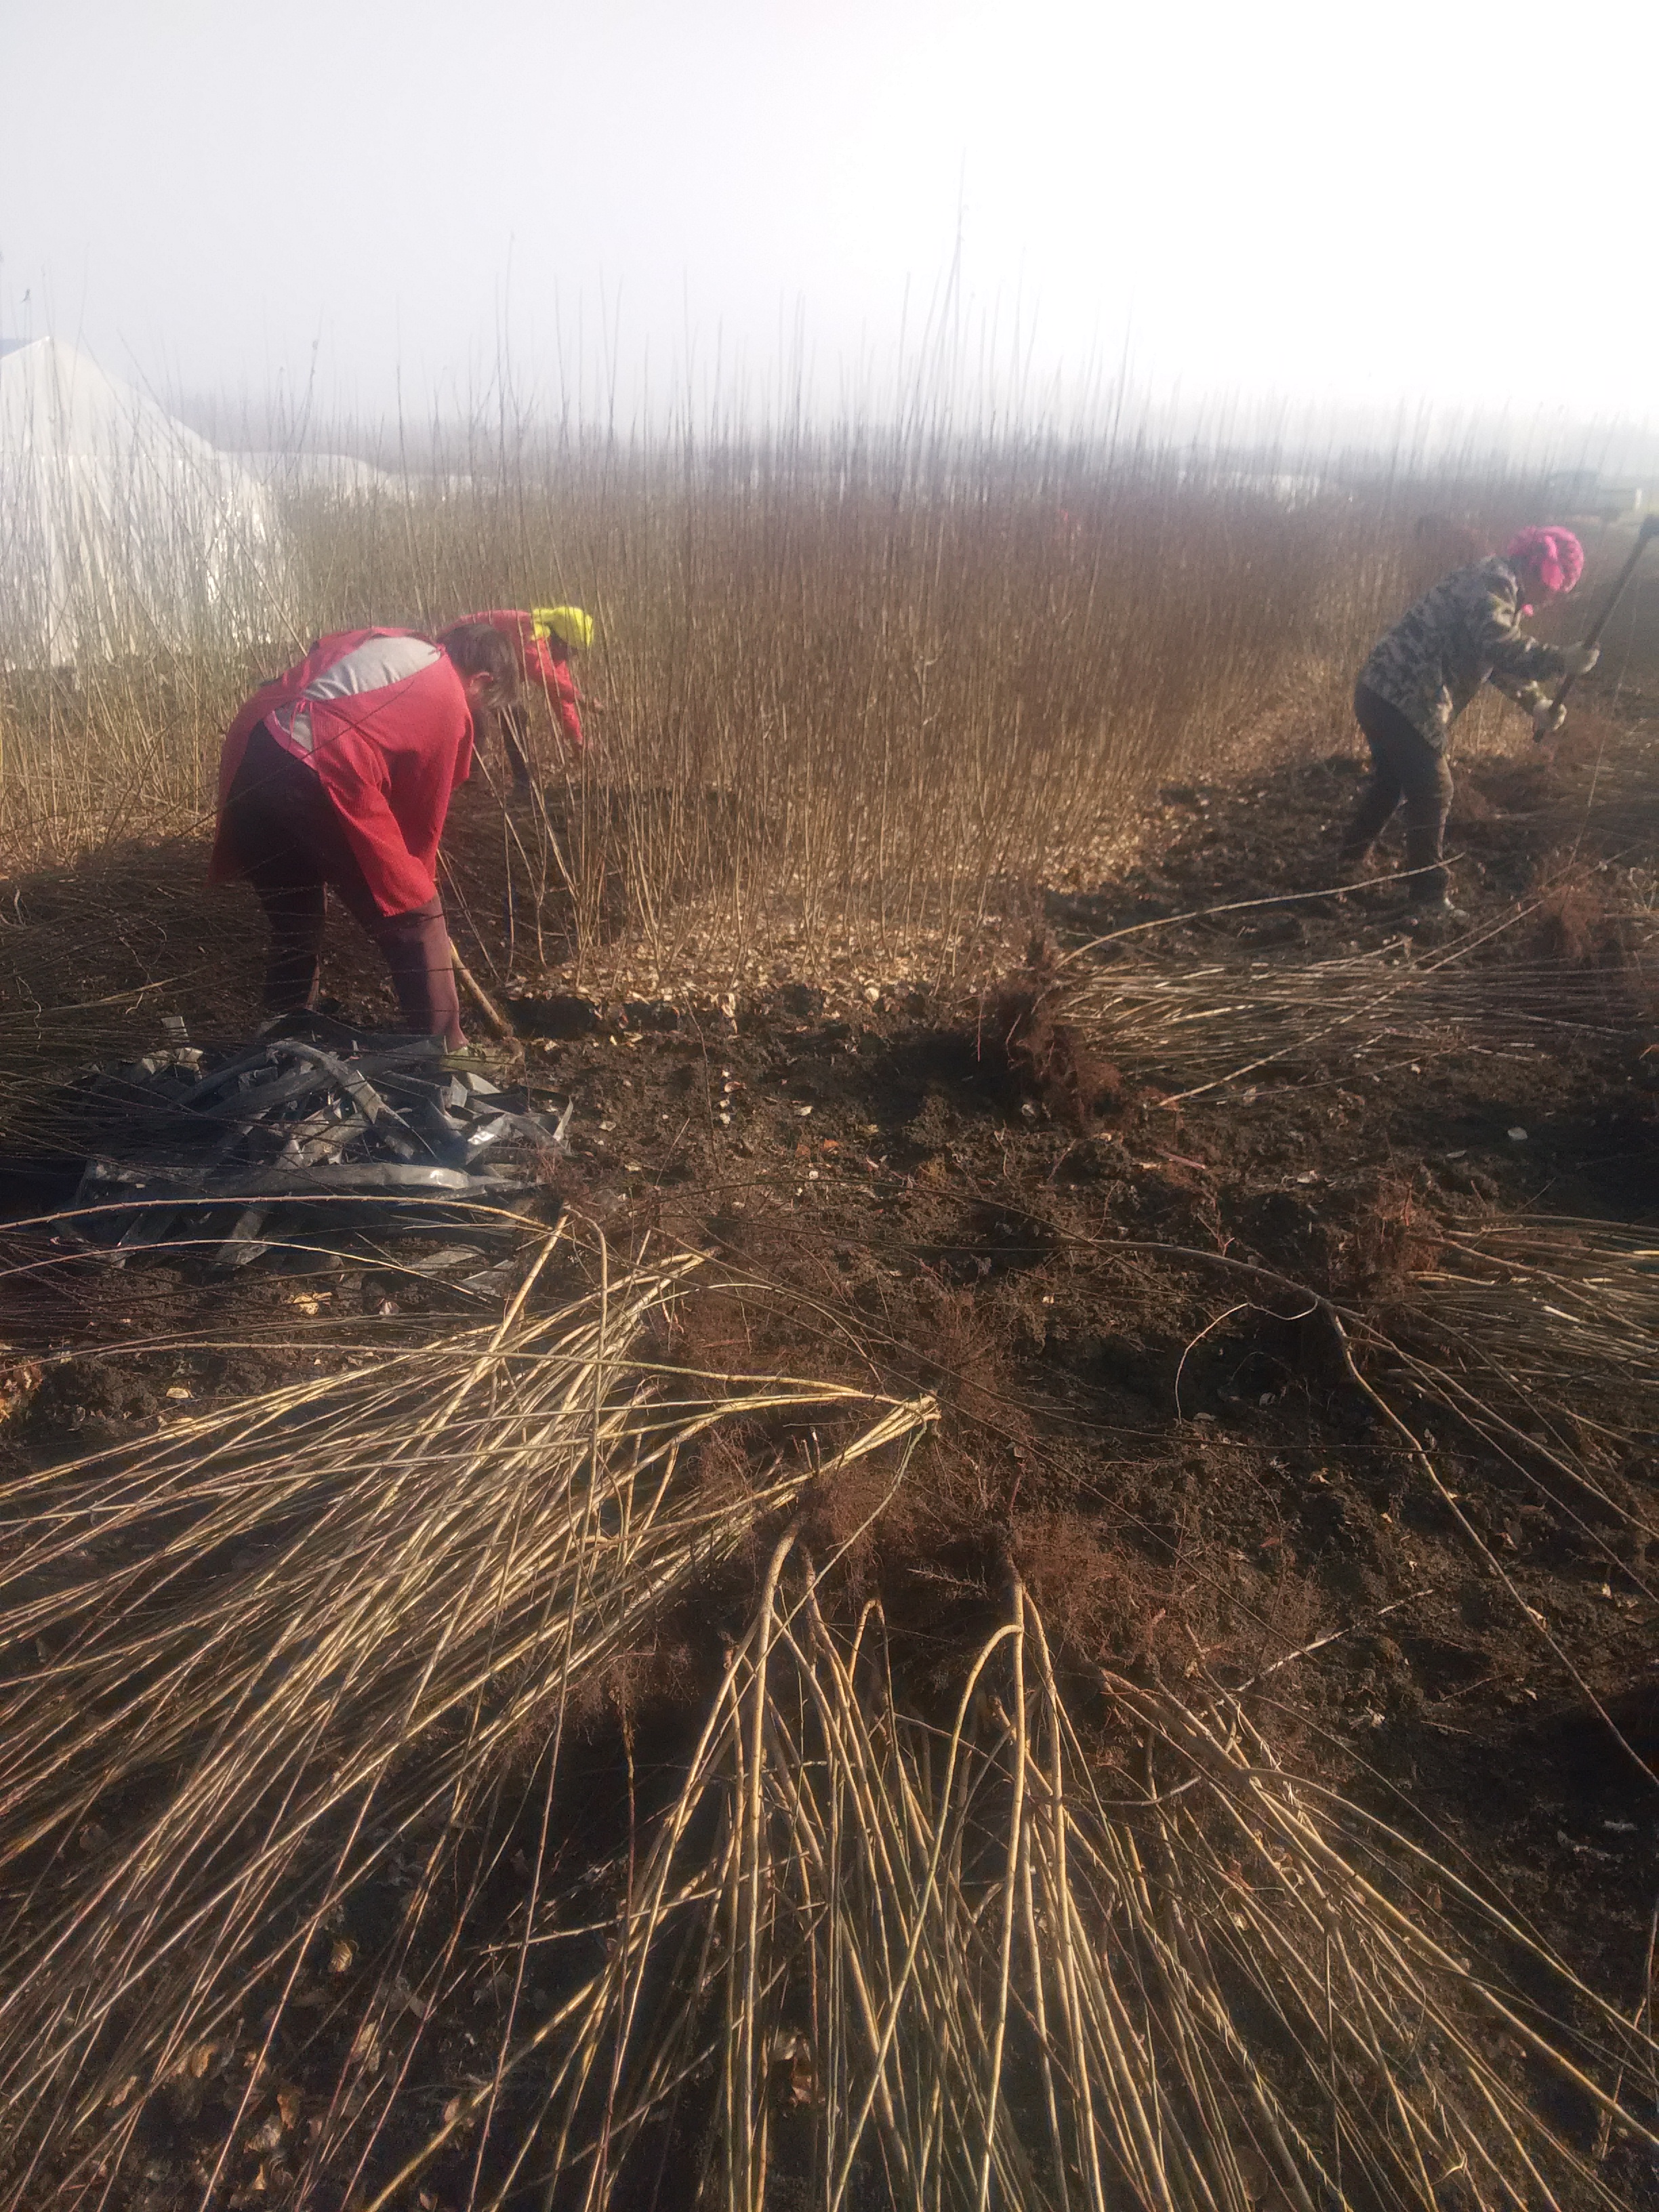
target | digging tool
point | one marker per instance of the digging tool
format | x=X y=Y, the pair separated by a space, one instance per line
x=1650 y=529
x=481 y=998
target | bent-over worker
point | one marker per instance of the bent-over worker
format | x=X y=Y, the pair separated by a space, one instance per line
x=1462 y=633
x=339 y=775
x=542 y=640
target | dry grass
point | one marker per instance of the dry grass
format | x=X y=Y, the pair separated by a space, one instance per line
x=853 y=685
x=952 y=1961
x=1067 y=1948
x=1199 y=1028
x=263 y=1659
x=1545 y=1346
x=1555 y=1298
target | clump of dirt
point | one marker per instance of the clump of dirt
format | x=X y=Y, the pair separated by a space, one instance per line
x=1025 y=1027
x=1575 y=922
x=1395 y=1237
x=1093 y=1600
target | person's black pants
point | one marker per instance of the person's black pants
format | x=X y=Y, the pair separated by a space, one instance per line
x=292 y=845
x=1405 y=769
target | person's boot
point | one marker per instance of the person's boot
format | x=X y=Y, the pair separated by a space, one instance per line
x=1434 y=918
x=1355 y=861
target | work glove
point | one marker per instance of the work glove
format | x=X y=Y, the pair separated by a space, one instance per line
x=1579 y=660
x=1548 y=719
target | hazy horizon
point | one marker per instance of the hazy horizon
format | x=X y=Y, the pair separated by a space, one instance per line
x=1293 y=224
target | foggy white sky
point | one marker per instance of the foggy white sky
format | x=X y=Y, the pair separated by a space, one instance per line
x=1344 y=203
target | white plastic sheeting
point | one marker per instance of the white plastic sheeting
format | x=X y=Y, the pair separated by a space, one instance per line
x=335 y=475
x=121 y=530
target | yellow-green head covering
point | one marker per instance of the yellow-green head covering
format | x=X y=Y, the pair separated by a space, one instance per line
x=570 y=624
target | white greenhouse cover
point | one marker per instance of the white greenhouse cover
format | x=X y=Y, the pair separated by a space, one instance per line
x=336 y=475
x=120 y=530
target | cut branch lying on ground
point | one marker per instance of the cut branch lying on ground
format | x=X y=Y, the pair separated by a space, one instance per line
x=287 y=1651
x=1199 y=1027
x=942 y=1962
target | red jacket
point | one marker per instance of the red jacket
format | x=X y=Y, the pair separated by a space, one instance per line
x=389 y=733
x=537 y=664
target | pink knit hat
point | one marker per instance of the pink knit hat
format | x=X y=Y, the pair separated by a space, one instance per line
x=1554 y=552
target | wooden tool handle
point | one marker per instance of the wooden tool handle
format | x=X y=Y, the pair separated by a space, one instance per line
x=481 y=998
x=1650 y=529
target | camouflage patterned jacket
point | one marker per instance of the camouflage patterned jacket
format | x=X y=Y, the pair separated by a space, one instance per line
x=1463 y=633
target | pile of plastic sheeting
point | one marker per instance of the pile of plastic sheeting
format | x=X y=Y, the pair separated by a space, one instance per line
x=309 y=1142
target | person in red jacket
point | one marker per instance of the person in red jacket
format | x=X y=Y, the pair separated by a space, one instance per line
x=542 y=640
x=339 y=775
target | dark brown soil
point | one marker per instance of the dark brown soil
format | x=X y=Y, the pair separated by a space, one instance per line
x=964 y=1196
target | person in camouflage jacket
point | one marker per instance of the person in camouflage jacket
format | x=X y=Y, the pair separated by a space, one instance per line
x=1463 y=633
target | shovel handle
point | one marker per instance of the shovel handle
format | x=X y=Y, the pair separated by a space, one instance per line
x=486 y=1005
x=1592 y=636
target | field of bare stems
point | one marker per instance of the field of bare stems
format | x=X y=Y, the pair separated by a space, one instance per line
x=850 y=684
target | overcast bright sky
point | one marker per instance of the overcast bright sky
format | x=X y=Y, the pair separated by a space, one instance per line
x=1351 y=203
